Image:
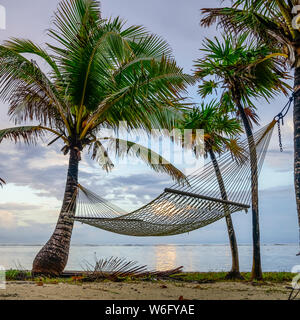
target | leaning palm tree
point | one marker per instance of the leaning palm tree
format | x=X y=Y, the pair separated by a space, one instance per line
x=99 y=73
x=275 y=23
x=220 y=134
x=242 y=70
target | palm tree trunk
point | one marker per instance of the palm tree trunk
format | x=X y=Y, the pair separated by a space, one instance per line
x=235 y=270
x=256 y=267
x=53 y=257
x=297 y=141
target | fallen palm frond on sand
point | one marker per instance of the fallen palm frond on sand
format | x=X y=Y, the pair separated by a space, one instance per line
x=115 y=269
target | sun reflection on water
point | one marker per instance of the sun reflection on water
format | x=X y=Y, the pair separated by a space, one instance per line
x=165 y=257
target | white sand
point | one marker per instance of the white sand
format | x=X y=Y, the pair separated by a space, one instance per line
x=145 y=291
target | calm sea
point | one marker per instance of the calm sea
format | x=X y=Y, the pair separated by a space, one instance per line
x=280 y=257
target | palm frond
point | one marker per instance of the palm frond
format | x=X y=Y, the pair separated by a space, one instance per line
x=219 y=128
x=250 y=68
x=114 y=269
x=27 y=134
x=100 y=154
x=155 y=161
x=207 y=87
x=240 y=21
x=270 y=22
x=73 y=20
x=252 y=116
x=141 y=93
x=279 y=11
x=238 y=153
x=28 y=91
x=29 y=47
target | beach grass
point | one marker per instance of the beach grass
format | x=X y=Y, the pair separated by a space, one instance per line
x=196 y=277
x=203 y=277
x=14 y=274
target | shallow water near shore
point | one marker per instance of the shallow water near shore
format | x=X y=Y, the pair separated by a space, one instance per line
x=201 y=258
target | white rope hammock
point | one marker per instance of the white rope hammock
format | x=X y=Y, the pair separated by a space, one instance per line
x=180 y=208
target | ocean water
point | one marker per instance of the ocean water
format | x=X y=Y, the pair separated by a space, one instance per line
x=202 y=258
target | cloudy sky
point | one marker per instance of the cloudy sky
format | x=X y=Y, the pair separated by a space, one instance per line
x=30 y=202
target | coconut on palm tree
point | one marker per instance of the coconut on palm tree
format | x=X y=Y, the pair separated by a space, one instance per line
x=220 y=134
x=242 y=70
x=276 y=24
x=99 y=72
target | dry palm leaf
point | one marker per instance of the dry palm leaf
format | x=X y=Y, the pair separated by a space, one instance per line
x=115 y=268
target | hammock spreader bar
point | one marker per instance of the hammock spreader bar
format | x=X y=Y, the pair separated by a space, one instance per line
x=199 y=196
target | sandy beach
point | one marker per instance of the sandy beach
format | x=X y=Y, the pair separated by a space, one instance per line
x=18 y=290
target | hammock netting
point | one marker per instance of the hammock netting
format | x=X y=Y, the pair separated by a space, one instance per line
x=180 y=208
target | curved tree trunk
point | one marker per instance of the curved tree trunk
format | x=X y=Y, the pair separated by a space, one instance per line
x=297 y=142
x=235 y=270
x=53 y=257
x=256 y=267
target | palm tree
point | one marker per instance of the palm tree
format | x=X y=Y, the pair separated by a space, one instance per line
x=275 y=23
x=242 y=70
x=220 y=132
x=99 y=73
